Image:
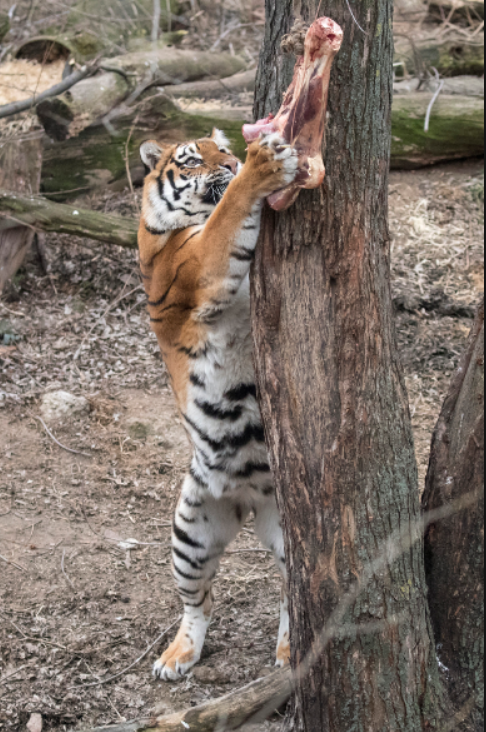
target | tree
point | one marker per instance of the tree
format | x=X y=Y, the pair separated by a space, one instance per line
x=333 y=398
x=455 y=547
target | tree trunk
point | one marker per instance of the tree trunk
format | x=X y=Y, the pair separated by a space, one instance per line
x=455 y=547
x=333 y=399
x=20 y=168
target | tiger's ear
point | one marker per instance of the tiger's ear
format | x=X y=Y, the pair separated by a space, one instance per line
x=151 y=153
x=220 y=139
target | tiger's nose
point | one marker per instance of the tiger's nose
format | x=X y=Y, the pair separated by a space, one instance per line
x=231 y=165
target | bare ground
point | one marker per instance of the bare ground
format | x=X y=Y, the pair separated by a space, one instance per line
x=76 y=605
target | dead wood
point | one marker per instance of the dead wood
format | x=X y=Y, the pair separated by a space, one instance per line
x=438 y=303
x=231 y=712
x=215 y=89
x=127 y=76
x=413 y=147
x=20 y=168
x=457 y=55
x=39 y=213
x=7 y=110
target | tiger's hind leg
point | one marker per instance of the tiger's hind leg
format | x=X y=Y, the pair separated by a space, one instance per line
x=203 y=528
x=269 y=530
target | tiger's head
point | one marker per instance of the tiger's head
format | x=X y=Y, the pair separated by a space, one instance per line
x=185 y=182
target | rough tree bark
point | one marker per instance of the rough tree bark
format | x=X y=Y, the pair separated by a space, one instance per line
x=455 y=547
x=333 y=398
x=20 y=168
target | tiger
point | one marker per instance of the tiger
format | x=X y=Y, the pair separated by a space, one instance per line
x=199 y=226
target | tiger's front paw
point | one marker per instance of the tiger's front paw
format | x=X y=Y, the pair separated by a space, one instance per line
x=177 y=661
x=272 y=163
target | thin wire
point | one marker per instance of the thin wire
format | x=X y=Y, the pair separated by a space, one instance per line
x=355 y=20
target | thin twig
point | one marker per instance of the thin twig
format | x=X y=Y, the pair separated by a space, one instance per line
x=108 y=309
x=54 y=439
x=7 y=110
x=64 y=571
x=135 y=663
x=13 y=564
x=249 y=551
x=14 y=673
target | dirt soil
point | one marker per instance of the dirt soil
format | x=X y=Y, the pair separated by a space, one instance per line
x=78 y=605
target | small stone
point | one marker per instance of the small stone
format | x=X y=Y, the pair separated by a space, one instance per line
x=58 y=405
x=35 y=723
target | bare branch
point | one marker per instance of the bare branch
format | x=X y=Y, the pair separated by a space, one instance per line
x=7 y=110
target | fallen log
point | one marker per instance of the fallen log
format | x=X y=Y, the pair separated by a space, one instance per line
x=8 y=110
x=455 y=56
x=99 y=155
x=217 y=89
x=39 y=213
x=467 y=86
x=92 y=99
x=20 y=168
x=254 y=702
x=453 y=9
x=4 y=25
x=456 y=130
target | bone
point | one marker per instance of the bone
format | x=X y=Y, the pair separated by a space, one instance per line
x=302 y=117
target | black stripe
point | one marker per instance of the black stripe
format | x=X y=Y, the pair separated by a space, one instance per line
x=188 y=501
x=177 y=191
x=212 y=316
x=217 y=412
x=164 y=297
x=252 y=468
x=186 y=576
x=197 y=381
x=235 y=442
x=155 y=232
x=248 y=257
x=191 y=593
x=179 y=208
x=181 y=306
x=195 y=355
x=185 y=558
x=252 y=227
x=185 y=538
x=187 y=240
x=240 y=392
x=185 y=519
x=199 y=604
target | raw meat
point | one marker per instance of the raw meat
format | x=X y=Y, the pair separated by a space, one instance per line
x=302 y=118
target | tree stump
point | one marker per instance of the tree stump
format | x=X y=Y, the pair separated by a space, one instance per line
x=20 y=171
